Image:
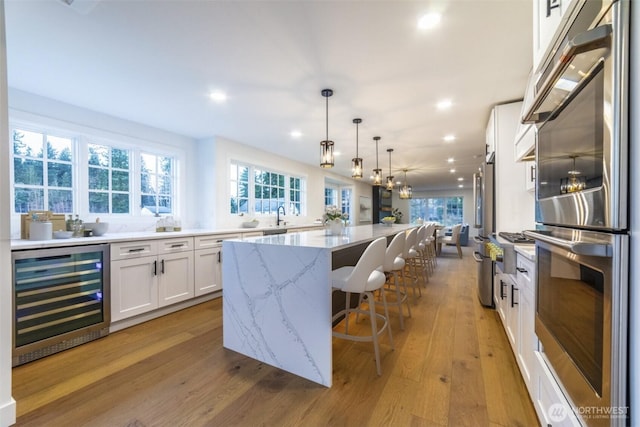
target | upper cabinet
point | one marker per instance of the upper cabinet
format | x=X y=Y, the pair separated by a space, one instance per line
x=549 y=16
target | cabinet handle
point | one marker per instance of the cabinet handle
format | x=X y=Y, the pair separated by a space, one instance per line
x=162 y=266
x=219 y=257
x=177 y=245
x=136 y=250
x=502 y=294
x=521 y=270
x=513 y=302
x=155 y=268
x=219 y=240
x=533 y=173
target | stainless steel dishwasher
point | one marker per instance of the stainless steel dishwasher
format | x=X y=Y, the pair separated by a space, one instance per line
x=60 y=299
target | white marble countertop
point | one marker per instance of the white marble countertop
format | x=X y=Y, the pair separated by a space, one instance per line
x=529 y=251
x=318 y=239
x=20 y=244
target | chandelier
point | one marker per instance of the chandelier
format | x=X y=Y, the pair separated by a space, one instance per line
x=326 y=146
x=356 y=162
x=377 y=172
x=390 y=177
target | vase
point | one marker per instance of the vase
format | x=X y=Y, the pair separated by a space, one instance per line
x=334 y=227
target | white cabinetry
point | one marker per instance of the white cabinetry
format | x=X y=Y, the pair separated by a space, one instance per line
x=549 y=17
x=175 y=275
x=514 y=205
x=528 y=341
x=208 y=262
x=146 y=275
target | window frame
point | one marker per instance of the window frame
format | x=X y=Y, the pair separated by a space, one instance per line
x=444 y=220
x=252 y=200
x=83 y=136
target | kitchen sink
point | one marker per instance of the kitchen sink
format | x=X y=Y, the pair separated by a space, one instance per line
x=272 y=231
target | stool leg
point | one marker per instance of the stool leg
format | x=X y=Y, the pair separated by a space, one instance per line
x=374 y=330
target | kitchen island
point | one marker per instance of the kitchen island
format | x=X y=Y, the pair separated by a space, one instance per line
x=277 y=297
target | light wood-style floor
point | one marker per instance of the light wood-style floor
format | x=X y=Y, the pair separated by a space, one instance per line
x=452 y=366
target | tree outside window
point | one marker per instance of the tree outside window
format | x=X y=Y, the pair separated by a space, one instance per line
x=443 y=210
x=156 y=184
x=42 y=172
x=108 y=174
x=259 y=191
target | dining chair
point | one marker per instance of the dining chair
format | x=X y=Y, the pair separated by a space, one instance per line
x=394 y=266
x=454 y=239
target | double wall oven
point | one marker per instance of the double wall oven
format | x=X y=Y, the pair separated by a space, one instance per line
x=582 y=242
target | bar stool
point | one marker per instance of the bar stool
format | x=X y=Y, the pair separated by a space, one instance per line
x=364 y=278
x=394 y=265
x=409 y=255
x=421 y=260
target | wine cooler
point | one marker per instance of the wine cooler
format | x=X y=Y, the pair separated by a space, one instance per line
x=60 y=299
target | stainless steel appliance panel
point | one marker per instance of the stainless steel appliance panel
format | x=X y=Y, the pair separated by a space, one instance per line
x=581 y=315
x=485 y=222
x=582 y=149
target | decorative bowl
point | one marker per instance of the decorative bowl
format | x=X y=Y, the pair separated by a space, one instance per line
x=61 y=234
x=250 y=224
x=388 y=220
x=97 y=228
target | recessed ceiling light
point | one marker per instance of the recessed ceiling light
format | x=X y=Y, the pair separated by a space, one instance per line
x=460 y=186
x=450 y=160
x=429 y=21
x=444 y=104
x=449 y=138
x=461 y=179
x=337 y=153
x=452 y=170
x=295 y=133
x=218 y=96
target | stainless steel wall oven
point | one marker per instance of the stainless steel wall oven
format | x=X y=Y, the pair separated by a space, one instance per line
x=582 y=241
x=580 y=109
x=60 y=299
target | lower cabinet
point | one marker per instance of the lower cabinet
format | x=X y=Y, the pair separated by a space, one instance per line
x=208 y=262
x=146 y=275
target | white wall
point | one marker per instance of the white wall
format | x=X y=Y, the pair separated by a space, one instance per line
x=28 y=107
x=7 y=404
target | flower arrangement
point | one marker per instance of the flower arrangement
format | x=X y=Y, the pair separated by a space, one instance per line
x=397 y=214
x=331 y=213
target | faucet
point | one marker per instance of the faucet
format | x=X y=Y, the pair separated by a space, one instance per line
x=278 y=215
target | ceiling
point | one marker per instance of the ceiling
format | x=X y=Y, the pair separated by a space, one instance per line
x=156 y=62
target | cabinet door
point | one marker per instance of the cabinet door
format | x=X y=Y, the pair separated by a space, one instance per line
x=528 y=339
x=547 y=18
x=175 y=277
x=530 y=176
x=501 y=296
x=208 y=277
x=134 y=287
x=512 y=313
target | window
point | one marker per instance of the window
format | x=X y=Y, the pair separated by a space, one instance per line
x=259 y=191
x=269 y=191
x=239 y=182
x=42 y=172
x=335 y=195
x=156 y=183
x=443 y=210
x=109 y=178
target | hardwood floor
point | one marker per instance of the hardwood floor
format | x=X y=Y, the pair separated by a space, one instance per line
x=452 y=366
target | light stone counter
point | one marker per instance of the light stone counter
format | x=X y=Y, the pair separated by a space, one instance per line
x=277 y=297
x=20 y=244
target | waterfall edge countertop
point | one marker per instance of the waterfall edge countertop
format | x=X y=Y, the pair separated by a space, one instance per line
x=277 y=303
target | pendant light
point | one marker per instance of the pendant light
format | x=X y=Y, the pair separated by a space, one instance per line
x=390 y=177
x=377 y=172
x=356 y=162
x=326 y=146
x=406 y=192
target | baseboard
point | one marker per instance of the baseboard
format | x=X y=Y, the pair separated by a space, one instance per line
x=8 y=413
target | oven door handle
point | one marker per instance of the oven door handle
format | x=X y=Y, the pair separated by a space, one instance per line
x=596 y=38
x=577 y=247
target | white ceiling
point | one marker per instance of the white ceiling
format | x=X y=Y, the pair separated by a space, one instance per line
x=155 y=62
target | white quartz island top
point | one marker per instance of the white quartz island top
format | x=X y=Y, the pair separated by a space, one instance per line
x=277 y=303
x=351 y=236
